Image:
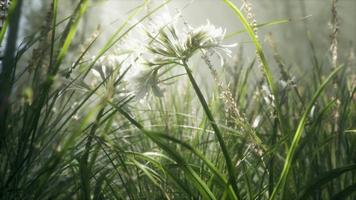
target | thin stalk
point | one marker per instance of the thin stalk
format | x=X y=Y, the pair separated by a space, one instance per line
x=12 y=10
x=84 y=167
x=216 y=129
x=283 y=124
x=9 y=63
x=197 y=181
x=297 y=137
x=55 y=11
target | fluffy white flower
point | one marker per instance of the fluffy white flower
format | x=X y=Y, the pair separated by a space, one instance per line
x=214 y=35
x=145 y=81
x=168 y=46
x=211 y=39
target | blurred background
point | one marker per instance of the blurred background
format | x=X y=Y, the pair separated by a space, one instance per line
x=309 y=22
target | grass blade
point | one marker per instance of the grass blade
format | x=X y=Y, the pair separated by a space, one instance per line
x=320 y=182
x=297 y=136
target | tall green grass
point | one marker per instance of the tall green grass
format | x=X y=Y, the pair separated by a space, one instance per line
x=63 y=137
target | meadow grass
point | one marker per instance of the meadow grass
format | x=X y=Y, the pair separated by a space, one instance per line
x=73 y=129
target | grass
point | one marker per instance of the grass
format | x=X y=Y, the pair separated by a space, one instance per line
x=78 y=131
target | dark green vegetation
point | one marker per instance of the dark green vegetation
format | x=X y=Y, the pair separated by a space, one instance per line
x=267 y=136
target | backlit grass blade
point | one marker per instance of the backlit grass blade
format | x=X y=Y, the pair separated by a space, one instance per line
x=266 y=24
x=8 y=68
x=257 y=44
x=193 y=176
x=188 y=170
x=276 y=22
x=54 y=21
x=297 y=136
x=83 y=5
x=211 y=166
x=12 y=10
x=265 y=66
x=229 y=164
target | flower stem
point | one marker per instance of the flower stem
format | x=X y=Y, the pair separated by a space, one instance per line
x=230 y=168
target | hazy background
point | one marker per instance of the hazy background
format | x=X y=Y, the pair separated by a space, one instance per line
x=291 y=38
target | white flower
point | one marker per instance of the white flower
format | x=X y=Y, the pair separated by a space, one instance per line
x=162 y=19
x=169 y=47
x=145 y=81
x=211 y=40
x=105 y=66
x=214 y=35
x=173 y=45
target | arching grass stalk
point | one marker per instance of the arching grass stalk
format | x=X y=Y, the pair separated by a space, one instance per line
x=11 y=11
x=297 y=136
x=270 y=82
x=229 y=165
x=200 y=185
x=170 y=49
x=266 y=69
x=258 y=46
x=9 y=62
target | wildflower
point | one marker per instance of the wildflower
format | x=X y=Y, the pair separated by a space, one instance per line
x=209 y=39
x=169 y=45
x=145 y=81
x=168 y=48
x=105 y=66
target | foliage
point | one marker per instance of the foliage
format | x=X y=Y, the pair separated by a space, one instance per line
x=78 y=124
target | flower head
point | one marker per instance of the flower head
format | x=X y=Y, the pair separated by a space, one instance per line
x=208 y=39
x=170 y=47
x=145 y=81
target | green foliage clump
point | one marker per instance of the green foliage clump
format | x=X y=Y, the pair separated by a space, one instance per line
x=77 y=126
